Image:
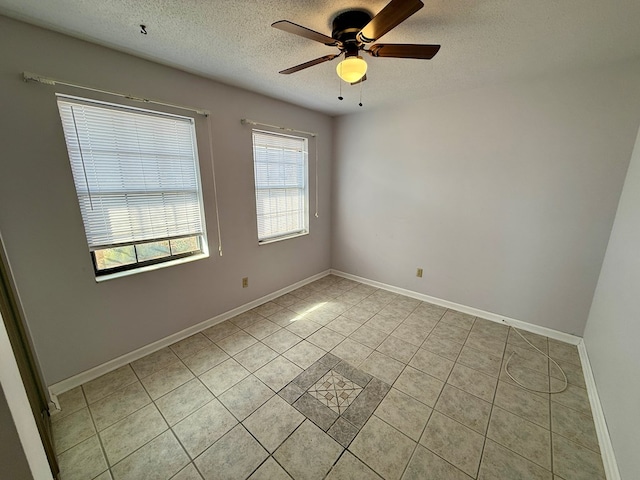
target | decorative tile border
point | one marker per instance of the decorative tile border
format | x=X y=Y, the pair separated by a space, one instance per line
x=342 y=420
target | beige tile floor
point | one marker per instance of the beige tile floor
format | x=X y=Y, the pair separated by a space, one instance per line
x=427 y=397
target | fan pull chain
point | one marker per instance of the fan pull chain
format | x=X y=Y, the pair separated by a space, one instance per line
x=361 y=86
x=340 y=97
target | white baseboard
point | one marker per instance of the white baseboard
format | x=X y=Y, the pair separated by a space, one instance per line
x=604 y=440
x=494 y=317
x=606 y=447
x=93 y=373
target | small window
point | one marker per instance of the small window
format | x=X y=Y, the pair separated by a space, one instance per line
x=280 y=168
x=138 y=185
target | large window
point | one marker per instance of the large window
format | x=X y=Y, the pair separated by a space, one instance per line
x=280 y=168
x=138 y=185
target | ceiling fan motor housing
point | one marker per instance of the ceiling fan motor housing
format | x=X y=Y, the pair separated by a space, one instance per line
x=346 y=27
x=354 y=29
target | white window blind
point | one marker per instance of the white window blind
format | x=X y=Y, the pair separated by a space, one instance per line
x=135 y=172
x=280 y=168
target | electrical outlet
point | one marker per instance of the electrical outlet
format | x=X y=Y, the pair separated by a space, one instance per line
x=419 y=273
x=245 y=282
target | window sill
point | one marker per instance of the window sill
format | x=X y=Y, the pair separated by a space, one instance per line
x=284 y=237
x=148 y=268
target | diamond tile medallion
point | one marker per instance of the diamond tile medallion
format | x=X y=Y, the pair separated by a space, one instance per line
x=335 y=391
x=336 y=396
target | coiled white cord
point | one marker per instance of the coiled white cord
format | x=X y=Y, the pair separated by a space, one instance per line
x=506 y=367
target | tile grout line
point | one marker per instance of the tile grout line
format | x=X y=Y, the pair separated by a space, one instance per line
x=577 y=443
x=495 y=392
x=190 y=462
x=522 y=456
x=434 y=404
x=57 y=454
x=494 y=395
x=549 y=430
x=95 y=426
x=404 y=435
x=535 y=424
x=287 y=438
x=344 y=449
x=159 y=411
x=193 y=459
x=102 y=449
x=144 y=444
x=269 y=455
x=443 y=387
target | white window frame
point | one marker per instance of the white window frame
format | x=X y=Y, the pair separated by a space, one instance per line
x=139 y=265
x=305 y=210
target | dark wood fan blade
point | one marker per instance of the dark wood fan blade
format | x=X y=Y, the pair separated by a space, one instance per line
x=308 y=64
x=305 y=32
x=402 y=50
x=360 y=81
x=396 y=12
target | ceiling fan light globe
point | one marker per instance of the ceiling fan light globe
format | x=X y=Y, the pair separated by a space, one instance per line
x=352 y=69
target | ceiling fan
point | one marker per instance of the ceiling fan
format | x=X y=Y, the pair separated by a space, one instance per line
x=353 y=30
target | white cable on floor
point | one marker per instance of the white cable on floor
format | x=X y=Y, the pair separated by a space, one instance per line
x=506 y=367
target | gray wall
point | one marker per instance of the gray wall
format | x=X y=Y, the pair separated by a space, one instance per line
x=505 y=195
x=77 y=323
x=613 y=328
x=13 y=462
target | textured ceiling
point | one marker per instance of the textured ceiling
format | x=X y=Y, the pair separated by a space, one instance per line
x=231 y=41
